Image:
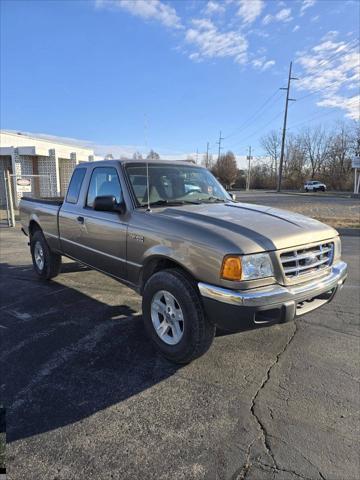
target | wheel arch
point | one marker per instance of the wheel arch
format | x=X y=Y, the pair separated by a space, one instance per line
x=33 y=227
x=157 y=263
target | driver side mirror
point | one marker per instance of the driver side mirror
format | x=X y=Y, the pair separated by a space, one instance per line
x=107 y=203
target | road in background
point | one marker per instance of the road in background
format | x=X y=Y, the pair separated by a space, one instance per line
x=89 y=398
x=337 y=211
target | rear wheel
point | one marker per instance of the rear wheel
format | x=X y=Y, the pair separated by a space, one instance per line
x=174 y=317
x=306 y=190
x=46 y=263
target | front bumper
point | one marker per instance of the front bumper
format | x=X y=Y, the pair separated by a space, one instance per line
x=237 y=310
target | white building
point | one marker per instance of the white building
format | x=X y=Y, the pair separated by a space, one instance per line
x=48 y=164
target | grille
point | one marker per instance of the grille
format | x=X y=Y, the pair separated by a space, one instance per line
x=307 y=260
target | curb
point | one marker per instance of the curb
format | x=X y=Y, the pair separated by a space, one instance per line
x=349 y=232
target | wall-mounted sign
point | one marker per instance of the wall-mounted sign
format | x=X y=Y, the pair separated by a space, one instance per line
x=23 y=184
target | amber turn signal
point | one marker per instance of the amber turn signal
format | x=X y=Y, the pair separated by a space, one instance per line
x=231 y=268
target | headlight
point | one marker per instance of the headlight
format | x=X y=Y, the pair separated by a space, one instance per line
x=256 y=266
x=247 y=267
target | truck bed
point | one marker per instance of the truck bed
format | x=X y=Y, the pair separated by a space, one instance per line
x=44 y=212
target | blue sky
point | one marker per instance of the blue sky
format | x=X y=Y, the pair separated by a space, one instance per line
x=131 y=75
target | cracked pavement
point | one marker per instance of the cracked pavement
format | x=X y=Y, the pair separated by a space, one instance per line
x=88 y=397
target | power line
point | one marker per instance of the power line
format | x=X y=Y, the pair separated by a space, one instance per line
x=327 y=86
x=318 y=90
x=339 y=52
x=318 y=115
x=257 y=131
x=254 y=115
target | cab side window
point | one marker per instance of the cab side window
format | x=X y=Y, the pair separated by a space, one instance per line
x=73 y=192
x=104 y=182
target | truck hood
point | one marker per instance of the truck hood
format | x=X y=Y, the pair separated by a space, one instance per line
x=253 y=228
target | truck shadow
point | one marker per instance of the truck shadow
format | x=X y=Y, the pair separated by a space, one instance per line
x=66 y=355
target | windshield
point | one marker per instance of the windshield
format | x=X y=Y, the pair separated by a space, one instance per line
x=174 y=184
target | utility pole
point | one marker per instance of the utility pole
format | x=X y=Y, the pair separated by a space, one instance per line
x=219 y=143
x=284 y=126
x=207 y=156
x=249 y=170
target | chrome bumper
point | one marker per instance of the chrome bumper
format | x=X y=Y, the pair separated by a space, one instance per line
x=276 y=294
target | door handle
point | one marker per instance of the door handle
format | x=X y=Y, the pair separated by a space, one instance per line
x=80 y=220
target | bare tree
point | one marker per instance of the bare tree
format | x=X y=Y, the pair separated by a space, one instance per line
x=226 y=169
x=316 y=144
x=295 y=162
x=315 y=152
x=271 y=143
x=152 y=155
x=137 y=156
x=337 y=170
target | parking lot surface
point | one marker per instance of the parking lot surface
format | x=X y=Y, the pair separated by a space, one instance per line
x=88 y=397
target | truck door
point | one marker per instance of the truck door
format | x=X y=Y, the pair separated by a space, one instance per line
x=97 y=239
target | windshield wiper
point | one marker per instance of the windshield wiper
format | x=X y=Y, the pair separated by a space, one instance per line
x=213 y=200
x=171 y=203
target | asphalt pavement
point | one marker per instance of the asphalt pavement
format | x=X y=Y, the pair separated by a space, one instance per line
x=286 y=200
x=88 y=397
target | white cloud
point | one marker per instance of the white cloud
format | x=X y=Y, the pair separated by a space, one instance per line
x=283 y=15
x=330 y=35
x=213 y=7
x=249 y=10
x=268 y=64
x=262 y=64
x=146 y=9
x=296 y=28
x=351 y=105
x=305 y=5
x=211 y=43
x=204 y=38
x=330 y=69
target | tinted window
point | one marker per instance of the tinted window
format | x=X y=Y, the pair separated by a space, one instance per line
x=75 y=185
x=104 y=181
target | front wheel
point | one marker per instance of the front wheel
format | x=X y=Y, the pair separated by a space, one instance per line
x=174 y=317
x=46 y=263
x=306 y=190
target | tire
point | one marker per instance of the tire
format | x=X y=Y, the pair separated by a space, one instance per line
x=196 y=333
x=322 y=189
x=46 y=263
x=306 y=190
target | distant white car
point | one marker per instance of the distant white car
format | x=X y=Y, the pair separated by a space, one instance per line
x=314 y=186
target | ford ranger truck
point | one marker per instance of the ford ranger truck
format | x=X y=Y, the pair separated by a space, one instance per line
x=199 y=259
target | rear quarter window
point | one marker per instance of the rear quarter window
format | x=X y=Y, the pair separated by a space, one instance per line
x=73 y=192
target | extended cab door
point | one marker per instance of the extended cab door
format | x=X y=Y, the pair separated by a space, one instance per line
x=96 y=238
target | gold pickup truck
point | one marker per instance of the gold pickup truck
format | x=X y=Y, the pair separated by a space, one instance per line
x=199 y=259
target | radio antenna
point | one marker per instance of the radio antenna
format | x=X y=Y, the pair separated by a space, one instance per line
x=148 y=187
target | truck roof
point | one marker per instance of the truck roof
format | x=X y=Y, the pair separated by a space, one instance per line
x=124 y=161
